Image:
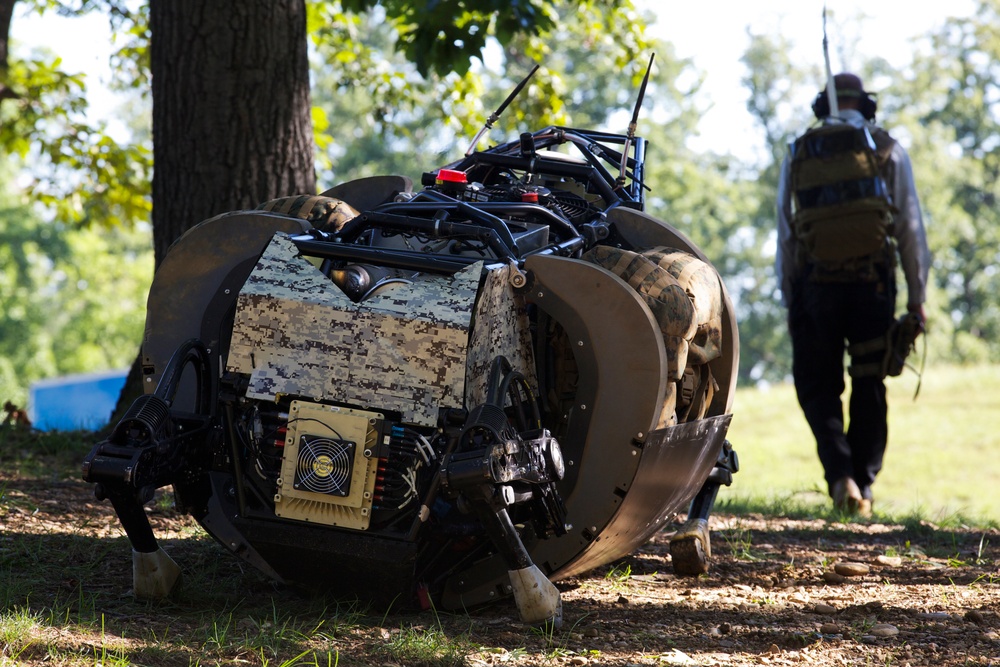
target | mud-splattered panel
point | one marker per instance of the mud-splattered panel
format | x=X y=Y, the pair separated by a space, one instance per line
x=403 y=349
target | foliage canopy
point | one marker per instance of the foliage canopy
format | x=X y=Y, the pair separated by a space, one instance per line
x=393 y=94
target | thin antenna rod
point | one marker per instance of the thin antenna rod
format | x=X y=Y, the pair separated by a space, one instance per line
x=831 y=88
x=495 y=116
x=635 y=120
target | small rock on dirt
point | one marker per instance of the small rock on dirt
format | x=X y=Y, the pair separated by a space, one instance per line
x=833 y=577
x=829 y=629
x=825 y=609
x=849 y=569
x=938 y=616
x=676 y=657
x=890 y=561
x=975 y=616
x=884 y=630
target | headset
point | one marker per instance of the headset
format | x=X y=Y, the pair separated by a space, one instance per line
x=868 y=106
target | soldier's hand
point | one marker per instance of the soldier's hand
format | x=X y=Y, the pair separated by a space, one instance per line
x=918 y=308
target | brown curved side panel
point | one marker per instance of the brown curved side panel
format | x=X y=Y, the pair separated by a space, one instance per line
x=642 y=231
x=197 y=283
x=673 y=465
x=621 y=360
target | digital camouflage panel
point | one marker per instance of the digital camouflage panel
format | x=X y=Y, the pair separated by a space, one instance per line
x=403 y=349
x=500 y=329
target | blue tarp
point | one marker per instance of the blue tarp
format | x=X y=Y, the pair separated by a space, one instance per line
x=75 y=401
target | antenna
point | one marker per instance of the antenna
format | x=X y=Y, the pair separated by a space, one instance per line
x=831 y=89
x=495 y=116
x=635 y=119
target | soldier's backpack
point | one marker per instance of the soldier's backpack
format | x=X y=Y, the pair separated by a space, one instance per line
x=841 y=206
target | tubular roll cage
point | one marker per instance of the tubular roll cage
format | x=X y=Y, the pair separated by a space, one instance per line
x=434 y=214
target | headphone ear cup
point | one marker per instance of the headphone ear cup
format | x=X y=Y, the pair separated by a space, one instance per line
x=821 y=106
x=868 y=106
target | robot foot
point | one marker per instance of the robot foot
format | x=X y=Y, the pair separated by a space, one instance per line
x=691 y=547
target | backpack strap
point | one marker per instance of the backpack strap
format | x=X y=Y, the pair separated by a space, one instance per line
x=884 y=144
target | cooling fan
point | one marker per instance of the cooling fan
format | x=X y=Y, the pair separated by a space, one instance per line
x=329 y=466
x=324 y=465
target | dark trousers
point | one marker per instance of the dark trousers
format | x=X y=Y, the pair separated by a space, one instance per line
x=823 y=318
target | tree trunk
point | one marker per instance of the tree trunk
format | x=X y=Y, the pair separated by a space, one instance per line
x=231 y=109
x=231 y=115
x=6 y=14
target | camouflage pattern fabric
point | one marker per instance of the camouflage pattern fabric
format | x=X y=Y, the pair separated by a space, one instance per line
x=324 y=213
x=685 y=296
x=500 y=328
x=667 y=300
x=404 y=349
x=703 y=287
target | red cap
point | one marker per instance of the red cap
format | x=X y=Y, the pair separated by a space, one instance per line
x=451 y=176
x=529 y=196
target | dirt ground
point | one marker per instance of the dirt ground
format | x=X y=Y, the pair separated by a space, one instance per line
x=780 y=592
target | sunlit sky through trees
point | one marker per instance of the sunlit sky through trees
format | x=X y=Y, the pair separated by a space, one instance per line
x=713 y=34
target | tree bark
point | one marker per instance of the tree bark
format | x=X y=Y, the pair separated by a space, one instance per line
x=231 y=109
x=6 y=15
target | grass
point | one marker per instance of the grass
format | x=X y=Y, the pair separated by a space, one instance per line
x=417 y=645
x=619 y=575
x=940 y=464
x=61 y=601
x=18 y=626
x=738 y=539
x=55 y=456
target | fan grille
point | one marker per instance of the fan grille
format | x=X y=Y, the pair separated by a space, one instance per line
x=574 y=207
x=324 y=465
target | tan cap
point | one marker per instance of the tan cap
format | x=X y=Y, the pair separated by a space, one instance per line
x=848 y=85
